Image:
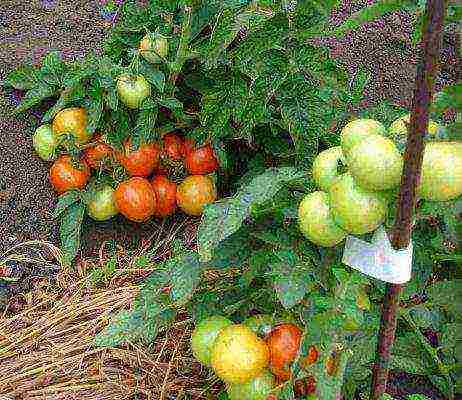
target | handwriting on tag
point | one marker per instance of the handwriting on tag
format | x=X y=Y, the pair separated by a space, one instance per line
x=378 y=259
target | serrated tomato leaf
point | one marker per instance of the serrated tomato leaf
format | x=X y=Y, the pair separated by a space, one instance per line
x=185 y=273
x=23 y=78
x=69 y=231
x=65 y=201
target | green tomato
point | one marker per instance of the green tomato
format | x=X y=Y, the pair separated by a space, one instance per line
x=354 y=209
x=204 y=336
x=44 y=142
x=261 y=324
x=441 y=178
x=133 y=90
x=153 y=48
x=375 y=163
x=355 y=131
x=316 y=222
x=101 y=206
x=258 y=388
x=326 y=167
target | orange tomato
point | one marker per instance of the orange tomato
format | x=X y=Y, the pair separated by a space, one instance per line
x=97 y=154
x=136 y=199
x=194 y=193
x=310 y=358
x=284 y=344
x=72 y=121
x=64 y=175
x=165 y=191
x=140 y=162
x=173 y=146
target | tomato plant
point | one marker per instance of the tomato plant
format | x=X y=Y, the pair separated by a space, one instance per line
x=67 y=175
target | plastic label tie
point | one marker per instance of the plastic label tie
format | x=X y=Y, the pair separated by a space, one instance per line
x=378 y=259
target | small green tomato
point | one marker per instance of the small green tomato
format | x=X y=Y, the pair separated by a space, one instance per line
x=44 y=142
x=101 y=206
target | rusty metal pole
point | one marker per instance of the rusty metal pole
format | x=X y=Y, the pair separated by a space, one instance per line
x=423 y=92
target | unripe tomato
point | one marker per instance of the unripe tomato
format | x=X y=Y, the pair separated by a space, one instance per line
x=261 y=324
x=153 y=46
x=133 y=90
x=65 y=176
x=44 y=142
x=357 y=130
x=173 y=146
x=101 y=206
x=96 y=155
x=204 y=336
x=72 y=121
x=194 y=193
x=165 y=191
x=140 y=162
x=326 y=167
x=201 y=160
x=258 y=388
x=238 y=354
x=283 y=343
x=135 y=199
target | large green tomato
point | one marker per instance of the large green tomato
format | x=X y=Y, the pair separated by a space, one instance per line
x=133 y=90
x=326 y=167
x=316 y=222
x=356 y=210
x=355 y=131
x=101 y=206
x=258 y=388
x=261 y=324
x=154 y=47
x=375 y=163
x=204 y=336
x=44 y=142
x=441 y=178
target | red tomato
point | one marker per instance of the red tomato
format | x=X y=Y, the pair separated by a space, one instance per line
x=173 y=146
x=194 y=193
x=140 y=162
x=201 y=160
x=97 y=154
x=284 y=344
x=165 y=191
x=135 y=199
x=305 y=387
x=65 y=176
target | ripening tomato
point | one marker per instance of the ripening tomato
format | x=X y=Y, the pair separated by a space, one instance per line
x=194 y=193
x=101 y=206
x=153 y=47
x=284 y=344
x=96 y=155
x=72 y=121
x=133 y=90
x=201 y=160
x=165 y=191
x=310 y=358
x=64 y=175
x=135 y=199
x=140 y=162
x=173 y=146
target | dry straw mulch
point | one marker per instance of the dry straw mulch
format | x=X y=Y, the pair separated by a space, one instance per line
x=47 y=351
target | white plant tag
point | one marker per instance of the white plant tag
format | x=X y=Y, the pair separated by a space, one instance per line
x=378 y=259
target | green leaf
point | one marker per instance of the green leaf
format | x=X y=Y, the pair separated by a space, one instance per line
x=69 y=230
x=225 y=217
x=154 y=76
x=170 y=103
x=69 y=95
x=446 y=294
x=185 y=275
x=368 y=14
x=144 y=129
x=35 y=96
x=53 y=68
x=66 y=200
x=23 y=78
x=291 y=282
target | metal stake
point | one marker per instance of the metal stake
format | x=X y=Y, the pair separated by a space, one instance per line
x=423 y=92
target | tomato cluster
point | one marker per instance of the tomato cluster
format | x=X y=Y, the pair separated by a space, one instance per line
x=150 y=185
x=255 y=358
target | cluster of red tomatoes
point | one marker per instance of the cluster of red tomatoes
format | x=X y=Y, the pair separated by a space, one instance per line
x=148 y=190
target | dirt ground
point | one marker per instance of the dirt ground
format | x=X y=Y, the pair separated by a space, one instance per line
x=29 y=29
